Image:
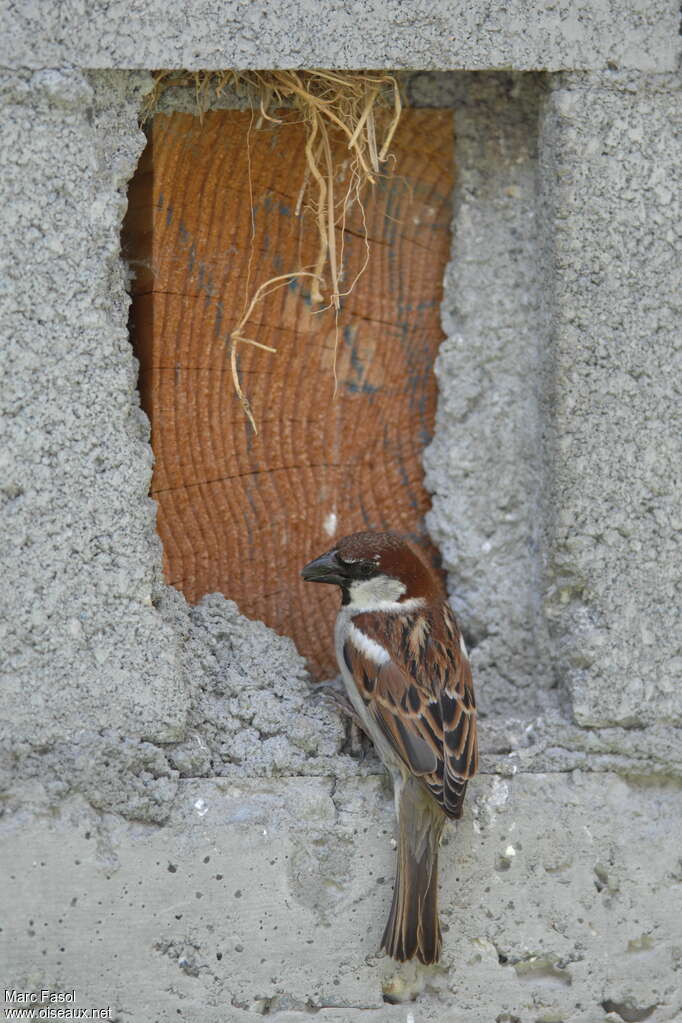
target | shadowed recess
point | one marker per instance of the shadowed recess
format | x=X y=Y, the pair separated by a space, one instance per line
x=210 y=218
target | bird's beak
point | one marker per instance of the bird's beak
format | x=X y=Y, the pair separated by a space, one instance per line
x=324 y=569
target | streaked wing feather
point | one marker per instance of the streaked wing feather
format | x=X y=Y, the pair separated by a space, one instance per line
x=422 y=698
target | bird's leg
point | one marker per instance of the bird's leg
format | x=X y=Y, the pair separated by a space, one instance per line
x=335 y=692
x=359 y=740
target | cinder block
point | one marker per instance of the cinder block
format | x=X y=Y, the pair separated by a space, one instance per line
x=610 y=159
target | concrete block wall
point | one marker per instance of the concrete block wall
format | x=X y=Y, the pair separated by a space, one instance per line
x=184 y=831
x=612 y=190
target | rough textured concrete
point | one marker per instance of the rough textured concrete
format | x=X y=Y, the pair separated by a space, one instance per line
x=151 y=745
x=79 y=552
x=254 y=710
x=485 y=467
x=376 y=33
x=80 y=562
x=98 y=669
x=611 y=152
x=264 y=896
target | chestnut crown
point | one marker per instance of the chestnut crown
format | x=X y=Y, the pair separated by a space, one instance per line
x=376 y=568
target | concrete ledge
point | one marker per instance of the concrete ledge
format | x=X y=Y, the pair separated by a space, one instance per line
x=378 y=34
x=263 y=896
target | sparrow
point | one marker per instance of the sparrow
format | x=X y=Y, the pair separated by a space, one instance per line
x=406 y=671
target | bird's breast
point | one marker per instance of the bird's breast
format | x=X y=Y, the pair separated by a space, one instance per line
x=343 y=635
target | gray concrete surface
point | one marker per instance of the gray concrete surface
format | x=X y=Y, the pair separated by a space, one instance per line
x=376 y=33
x=485 y=466
x=611 y=178
x=81 y=568
x=269 y=897
x=149 y=747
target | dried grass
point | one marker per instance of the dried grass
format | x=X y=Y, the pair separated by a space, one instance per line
x=331 y=104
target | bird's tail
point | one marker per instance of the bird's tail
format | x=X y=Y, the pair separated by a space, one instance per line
x=413 y=927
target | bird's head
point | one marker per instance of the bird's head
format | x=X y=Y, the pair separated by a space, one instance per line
x=376 y=571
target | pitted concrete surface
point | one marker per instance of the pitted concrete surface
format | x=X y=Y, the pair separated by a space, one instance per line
x=258 y=897
x=579 y=34
x=159 y=759
x=611 y=159
x=485 y=466
x=254 y=710
x=80 y=558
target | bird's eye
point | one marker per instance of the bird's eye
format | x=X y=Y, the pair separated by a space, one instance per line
x=356 y=567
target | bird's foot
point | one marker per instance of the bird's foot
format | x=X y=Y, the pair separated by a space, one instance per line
x=359 y=744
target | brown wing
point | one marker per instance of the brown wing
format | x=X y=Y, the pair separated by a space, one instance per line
x=423 y=698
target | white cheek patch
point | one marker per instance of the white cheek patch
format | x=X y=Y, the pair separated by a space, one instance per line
x=376 y=593
x=367 y=646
